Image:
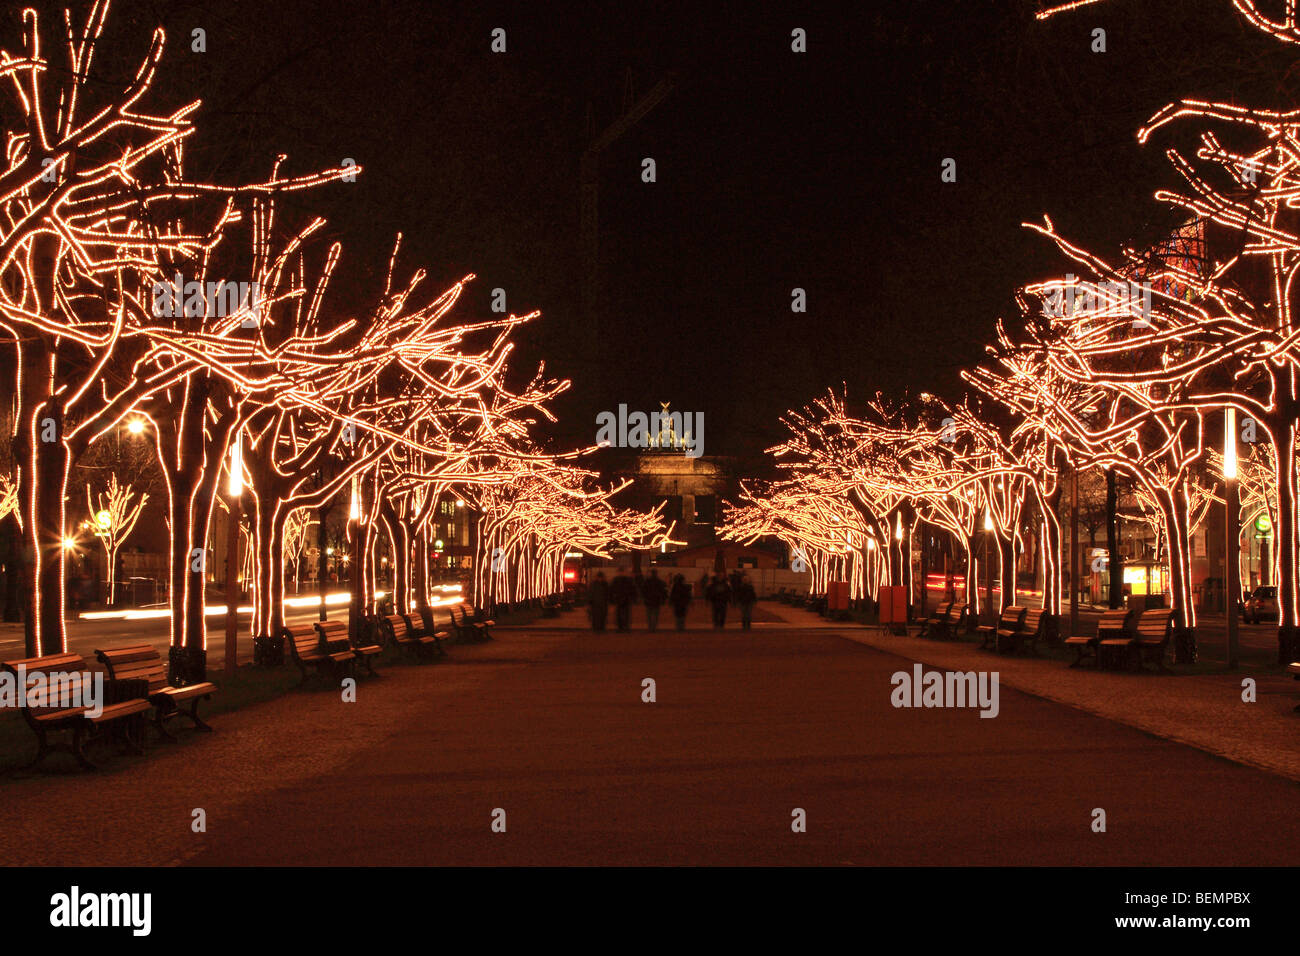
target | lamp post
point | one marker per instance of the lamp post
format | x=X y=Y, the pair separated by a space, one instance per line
x=1232 y=532
x=988 y=564
x=354 y=529
x=235 y=493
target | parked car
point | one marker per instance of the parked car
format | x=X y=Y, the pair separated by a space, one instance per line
x=1262 y=605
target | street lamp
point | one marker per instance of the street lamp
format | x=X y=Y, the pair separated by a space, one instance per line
x=988 y=564
x=1231 y=529
x=135 y=426
x=357 y=566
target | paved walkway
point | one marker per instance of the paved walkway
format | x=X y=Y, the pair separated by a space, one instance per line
x=1204 y=710
x=548 y=724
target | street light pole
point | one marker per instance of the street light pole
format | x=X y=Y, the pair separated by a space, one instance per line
x=354 y=547
x=988 y=565
x=1232 y=532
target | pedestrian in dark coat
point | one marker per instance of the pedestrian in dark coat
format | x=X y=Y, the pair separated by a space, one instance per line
x=680 y=598
x=746 y=598
x=621 y=591
x=653 y=592
x=719 y=593
x=598 y=601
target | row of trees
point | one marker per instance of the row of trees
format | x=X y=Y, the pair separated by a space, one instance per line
x=130 y=287
x=1126 y=365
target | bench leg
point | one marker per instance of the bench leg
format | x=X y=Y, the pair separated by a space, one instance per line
x=193 y=714
x=1158 y=658
x=160 y=722
x=131 y=738
x=79 y=750
x=43 y=749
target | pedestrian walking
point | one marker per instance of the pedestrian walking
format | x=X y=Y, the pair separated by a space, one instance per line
x=680 y=598
x=746 y=597
x=719 y=594
x=621 y=592
x=598 y=601
x=653 y=593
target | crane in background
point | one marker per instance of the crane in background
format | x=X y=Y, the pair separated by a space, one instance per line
x=589 y=222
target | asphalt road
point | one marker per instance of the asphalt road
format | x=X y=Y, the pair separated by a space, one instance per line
x=552 y=729
x=85 y=637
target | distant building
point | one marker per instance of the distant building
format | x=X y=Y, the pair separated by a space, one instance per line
x=690 y=489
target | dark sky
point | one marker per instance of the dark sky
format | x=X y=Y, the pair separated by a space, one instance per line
x=775 y=170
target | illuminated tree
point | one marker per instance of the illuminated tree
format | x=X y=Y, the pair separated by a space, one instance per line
x=1234 y=341
x=97 y=213
x=113 y=515
x=820 y=528
x=531 y=519
x=297 y=532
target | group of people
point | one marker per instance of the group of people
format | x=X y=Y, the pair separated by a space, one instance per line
x=653 y=591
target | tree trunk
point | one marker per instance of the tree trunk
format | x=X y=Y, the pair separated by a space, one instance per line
x=42 y=459
x=322 y=559
x=1007 y=568
x=1285 y=543
x=420 y=569
x=268 y=598
x=1115 y=566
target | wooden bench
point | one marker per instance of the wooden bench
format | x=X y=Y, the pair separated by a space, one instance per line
x=143 y=662
x=429 y=634
x=1147 y=641
x=1113 y=625
x=470 y=626
x=335 y=634
x=305 y=646
x=1029 y=633
x=440 y=624
x=50 y=684
x=940 y=617
x=404 y=633
x=992 y=636
x=398 y=630
x=958 y=614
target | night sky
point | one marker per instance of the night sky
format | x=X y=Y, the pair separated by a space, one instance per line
x=775 y=170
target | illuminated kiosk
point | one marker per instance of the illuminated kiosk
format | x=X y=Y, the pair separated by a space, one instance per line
x=1147 y=580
